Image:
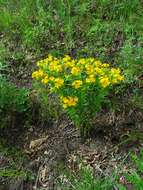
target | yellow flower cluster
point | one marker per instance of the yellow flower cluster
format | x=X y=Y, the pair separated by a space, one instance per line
x=73 y=75
x=69 y=101
x=38 y=74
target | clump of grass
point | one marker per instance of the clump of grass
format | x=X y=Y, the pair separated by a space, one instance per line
x=85 y=180
x=15 y=160
x=135 y=175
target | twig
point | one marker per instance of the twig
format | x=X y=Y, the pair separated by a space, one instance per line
x=37 y=178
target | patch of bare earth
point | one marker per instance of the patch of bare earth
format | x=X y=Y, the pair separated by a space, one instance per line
x=112 y=139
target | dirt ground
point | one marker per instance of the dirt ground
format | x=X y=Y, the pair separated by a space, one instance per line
x=54 y=147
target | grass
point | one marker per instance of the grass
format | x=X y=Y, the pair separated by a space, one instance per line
x=84 y=179
x=107 y=30
x=15 y=158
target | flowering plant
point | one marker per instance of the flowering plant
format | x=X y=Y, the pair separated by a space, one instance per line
x=80 y=84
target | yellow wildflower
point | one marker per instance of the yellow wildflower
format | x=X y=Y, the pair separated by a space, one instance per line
x=55 y=66
x=89 y=69
x=106 y=65
x=77 y=83
x=90 y=79
x=66 y=58
x=51 y=67
x=115 y=71
x=69 y=64
x=69 y=101
x=104 y=81
x=41 y=73
x=59 y=68
x=81 y=62
x=58 y=82
x=116 y=75
x=45 y=80
x=75 y=70
x=97 y=63
x=99 y=71
x=51 y=78
x=38 y=74
x=116 y=78
x=35 y=75
x=72 y=101
x=65 y=100
x=120 y=78
x=50 y=58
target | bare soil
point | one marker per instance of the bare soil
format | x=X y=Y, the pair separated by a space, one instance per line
x=57 y=146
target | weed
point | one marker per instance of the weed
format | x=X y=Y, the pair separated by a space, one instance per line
x=80 y=85
x=12 y=100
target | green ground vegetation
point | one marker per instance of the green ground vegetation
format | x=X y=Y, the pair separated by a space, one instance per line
x=84 y=179
x=110 y=30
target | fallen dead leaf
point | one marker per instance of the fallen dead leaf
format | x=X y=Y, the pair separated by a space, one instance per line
x=36 y=143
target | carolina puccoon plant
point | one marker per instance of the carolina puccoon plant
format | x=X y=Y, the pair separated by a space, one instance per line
x=80 y=84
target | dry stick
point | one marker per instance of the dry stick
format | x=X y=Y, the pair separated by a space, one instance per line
x=37 y=178
x=66 y=148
